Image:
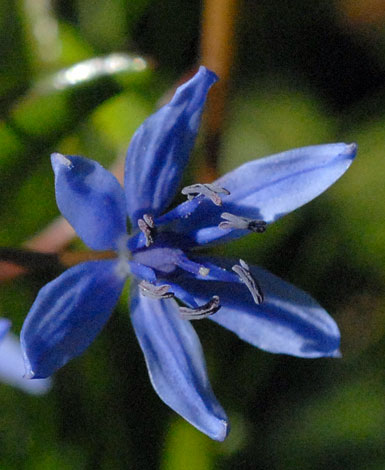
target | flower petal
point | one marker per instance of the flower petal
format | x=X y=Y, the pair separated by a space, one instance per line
x=12 y=368
x=91 y=199
x=68 y=314
x=288 y=321
x=176 y=364
x=268 y=188
x=159 y=150
x=4 y=327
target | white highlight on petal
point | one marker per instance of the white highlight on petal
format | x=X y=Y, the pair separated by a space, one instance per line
x=63 y=160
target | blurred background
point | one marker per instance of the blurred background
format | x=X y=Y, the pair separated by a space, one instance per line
x=79 y=76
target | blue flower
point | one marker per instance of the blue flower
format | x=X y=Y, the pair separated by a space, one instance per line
x=11 y=363
x=161 y=259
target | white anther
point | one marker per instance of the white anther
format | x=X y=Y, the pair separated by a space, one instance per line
x=233 y=221
x=147 y=227
x=204 y=271
x=203 y=311
x=209 y=190
x=243 y=272
x=155 y=292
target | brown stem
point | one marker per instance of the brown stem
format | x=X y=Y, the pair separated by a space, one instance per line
x=71 y=258
x=30 y=260
x=217 y=53
x=22 y=259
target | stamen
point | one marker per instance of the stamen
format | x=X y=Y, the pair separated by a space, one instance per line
x=147 y=226
x=155 y=292
x=197 y=313
x=233 y=221
x=149 y=220
x=209 y=190
x=245 y=276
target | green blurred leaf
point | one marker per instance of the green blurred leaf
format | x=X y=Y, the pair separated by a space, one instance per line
x=185 y=447
x=272 y=119
x=14 y=54
x=57 y=105
x=30 y=208
x=118 y=118
x=327 y=429
x=360 y=197
x=73 y=48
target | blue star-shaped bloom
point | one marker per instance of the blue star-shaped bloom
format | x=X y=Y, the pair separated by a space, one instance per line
x=159 y=255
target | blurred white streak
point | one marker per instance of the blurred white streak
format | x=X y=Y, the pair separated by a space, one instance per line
x=97 y=67
x=44 y=28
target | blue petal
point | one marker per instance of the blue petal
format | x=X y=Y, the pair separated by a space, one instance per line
x=142 y=271
x=4 y=327
x=159 y=150
x=270 y=187
x=68 y=314
x=91 y=199
x=12 y=368
x=289 y=321
x=176 y=364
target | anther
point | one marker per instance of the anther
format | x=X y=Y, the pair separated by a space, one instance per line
x=147 y=226
x=203 y=311
x=203 y=271
x=245 y=276
x=155 y=292
x=233 y=221
x=209 y=190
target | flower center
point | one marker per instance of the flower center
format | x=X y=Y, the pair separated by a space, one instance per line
x=158 y=252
